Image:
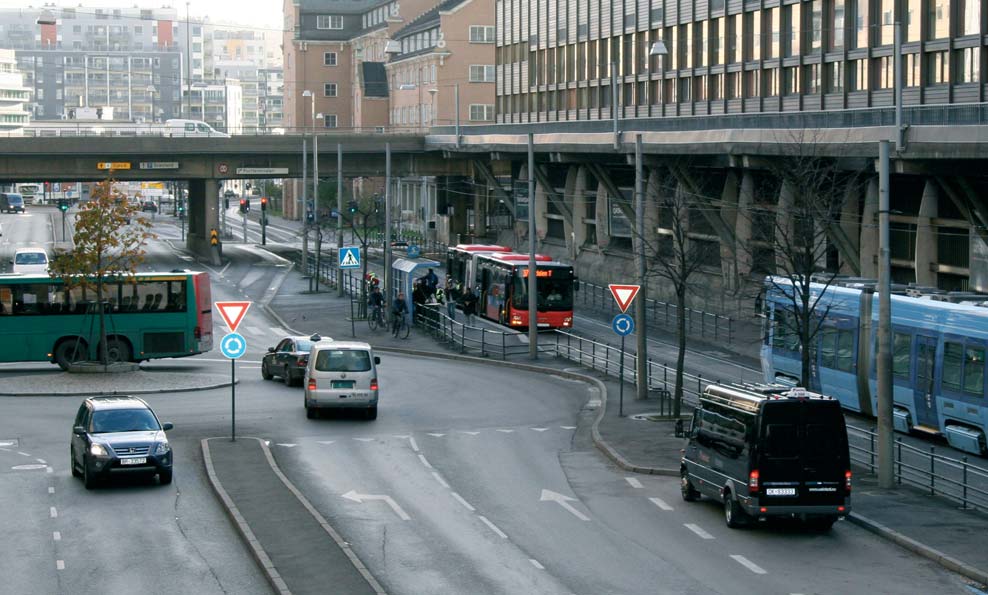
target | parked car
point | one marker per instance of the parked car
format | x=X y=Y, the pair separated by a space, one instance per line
x=341 y=375
x=289 y=358
x=768 y=451
x=116 y=436
x=11 y=202
x=149 y=206
x=30 y=260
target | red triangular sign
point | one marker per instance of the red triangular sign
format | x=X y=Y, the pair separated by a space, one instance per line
x=624 y=295
x=232 y=313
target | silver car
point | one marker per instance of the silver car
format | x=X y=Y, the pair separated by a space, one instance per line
x=343 y=375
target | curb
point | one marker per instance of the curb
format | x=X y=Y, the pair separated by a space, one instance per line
x=121 y=392
x=277 y=583
x=948 y=562
x=274 y=577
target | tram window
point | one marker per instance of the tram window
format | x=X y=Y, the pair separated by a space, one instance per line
x=901 y=350
x=828 y=353
x=953 y=358
x=845 y=350
x=974 y=370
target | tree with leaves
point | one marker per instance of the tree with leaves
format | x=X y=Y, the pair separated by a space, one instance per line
x=110 y=239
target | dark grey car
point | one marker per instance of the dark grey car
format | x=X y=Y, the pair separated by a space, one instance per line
x=117 y=436
x=288 y=359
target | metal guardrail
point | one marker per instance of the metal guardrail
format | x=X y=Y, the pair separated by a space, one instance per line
x=956 y=479
x=467 y=338
x=708 y=324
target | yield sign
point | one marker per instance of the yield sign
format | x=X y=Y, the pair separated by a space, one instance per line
x=624 y=295
x=232 y=313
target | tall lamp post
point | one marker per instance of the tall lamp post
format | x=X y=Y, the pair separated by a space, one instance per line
x=315 y=191
x=188 y=60
x=305 y=201
x=658 y=49
x=151 y=91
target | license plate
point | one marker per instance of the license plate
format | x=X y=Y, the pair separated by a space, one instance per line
x=780 y=492
x=342 y=384
x=134 y=461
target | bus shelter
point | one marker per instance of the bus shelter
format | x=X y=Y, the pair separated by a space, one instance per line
x=406 y=271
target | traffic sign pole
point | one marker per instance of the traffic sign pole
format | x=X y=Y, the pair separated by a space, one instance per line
x=621 y=381
x=233 y=400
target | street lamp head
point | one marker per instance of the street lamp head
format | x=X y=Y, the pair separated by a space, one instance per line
x=307 y=93
x=319 y=116
x=658 y=49
x=433 y=92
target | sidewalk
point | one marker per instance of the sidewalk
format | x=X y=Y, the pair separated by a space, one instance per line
x=42 y=381
x=929 y=526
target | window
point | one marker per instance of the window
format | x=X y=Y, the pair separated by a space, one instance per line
x=859 y=81
x=837 y=25
x=481 y=34
x=913 y=11
x=329 y=21
x=937 y=73
x=794 y=25
x=329 y=90
x=970 y=17
x=816 y=26
x=968 y=62
x=953 y=359
x=901 y=354
x=790 y=84
x=480 y=112
x=481 y=73
x=938 y=23
x=974 y=370
x=861 y=23
x=835 y=71
x=813 y=78
x=329 y=120
x=329 y=59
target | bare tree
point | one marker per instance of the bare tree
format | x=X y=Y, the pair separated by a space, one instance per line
x=110 y=239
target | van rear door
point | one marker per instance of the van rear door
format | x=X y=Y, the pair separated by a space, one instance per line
x=803 y=453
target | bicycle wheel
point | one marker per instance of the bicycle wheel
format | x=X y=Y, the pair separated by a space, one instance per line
x=404 y=329
x=374 y=321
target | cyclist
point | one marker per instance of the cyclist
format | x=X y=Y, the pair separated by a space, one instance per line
x=398 y=309
x=376 y=302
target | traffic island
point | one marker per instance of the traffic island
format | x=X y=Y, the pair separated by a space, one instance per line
x=98 y=368
x=55 y=383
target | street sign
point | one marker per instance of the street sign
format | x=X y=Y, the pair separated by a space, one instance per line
x=623 y=325
x=159 y=165
x=233 y=346
x=414 y=251
x=262 y=171
x=223 y=168
x=232 y=313
x=624 y=295
x=350 y=258
x=113 y=165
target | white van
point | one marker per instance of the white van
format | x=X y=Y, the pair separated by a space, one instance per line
x=30 y=260
x=178 y=127
x=341 y=375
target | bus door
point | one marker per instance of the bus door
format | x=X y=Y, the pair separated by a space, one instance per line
x=924 y=381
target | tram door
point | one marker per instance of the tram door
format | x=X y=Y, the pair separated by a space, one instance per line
x=924 y=382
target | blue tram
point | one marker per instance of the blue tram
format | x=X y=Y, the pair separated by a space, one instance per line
x=938 y=357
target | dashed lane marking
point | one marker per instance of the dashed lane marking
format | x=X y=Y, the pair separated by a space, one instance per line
x=415 y=445
x=440 y=479
x=57 y=536
x=53 y=512
x=325 y=441
x=364 y=439
x=436 y=435
x=748 y=564
x=536 y=564
x=469 y=433
x=425 y=461
x=27 y=467
x=23 y=454
x=660 y=503
x=539 y=429
x=42 y=461
x=568 y=427
x=60 y=564
x=698 y=530
x=465 y=504
x=505 y=431
x=492 y=527
x=286 y=444
x=633 y=482
x=51 y=489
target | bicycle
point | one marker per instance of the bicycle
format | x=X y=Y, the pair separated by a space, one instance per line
x=400 y=328
x=376 y=319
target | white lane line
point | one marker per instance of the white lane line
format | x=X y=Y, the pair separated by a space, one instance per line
x=696 y=529
x=250 y=367
x=633 y=482
x=492 y=526
x=415 y=445
x=539 y=429
x=49 y=470
x=60 y=564
x=286 y=444
x=568 y=427
x=53 y=512
x=436 y=435
x=465 y=504
x=469 y=433
x=51 y=489
x=325 y=441
x=748 y=564
x=506 y=431
x=660 y=503
x=440 y=479
x=23 y=454
x=536 y=564
x=425 y=461
x=57 y=536
x=364 y=439
x=42 y=461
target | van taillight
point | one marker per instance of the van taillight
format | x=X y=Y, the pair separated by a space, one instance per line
x=373 y=384
x=847 y=481
x=753 y=481
x=312 y=384
x=301 y=362
x=197 y=333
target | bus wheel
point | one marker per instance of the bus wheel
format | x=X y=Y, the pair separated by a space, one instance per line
x=117 y=350
x=69 y=352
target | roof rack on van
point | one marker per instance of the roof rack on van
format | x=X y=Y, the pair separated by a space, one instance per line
x=747 y=396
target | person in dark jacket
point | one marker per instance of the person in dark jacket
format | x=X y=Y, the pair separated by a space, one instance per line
x=469 y=302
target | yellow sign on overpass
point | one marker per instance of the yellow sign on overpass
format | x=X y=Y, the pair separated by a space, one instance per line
x=113 y=165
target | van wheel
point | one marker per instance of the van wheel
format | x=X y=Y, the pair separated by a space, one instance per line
x=371 y=413
x=690 y=493
x=733 y=515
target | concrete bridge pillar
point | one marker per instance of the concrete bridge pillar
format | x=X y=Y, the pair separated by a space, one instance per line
x=577 y=228
x=869 y=230
x=203 y=214
x=729 y=213
x=603 y=218
x=849 y=221
x=785 y=228
x=742 y=226
x=575 y=220
x=926 y=235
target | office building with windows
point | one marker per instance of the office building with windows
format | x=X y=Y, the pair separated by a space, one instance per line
x=13 y=96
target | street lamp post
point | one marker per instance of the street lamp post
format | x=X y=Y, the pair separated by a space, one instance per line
x=315 y=191
x=658 y=49
x=188 y=59
x=305 y=200
x=151 y=91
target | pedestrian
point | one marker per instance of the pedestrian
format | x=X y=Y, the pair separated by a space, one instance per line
x=419 y=295
x=469 y=305
x=452 y=296
x=431 y=280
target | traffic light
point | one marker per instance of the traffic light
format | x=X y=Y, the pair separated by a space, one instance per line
x=353 y=206
x=63 y=205
x=214 y=237
x=181 y=211
x=243 y=205
x=264 y=203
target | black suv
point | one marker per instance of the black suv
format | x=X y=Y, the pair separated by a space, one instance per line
x=118 y=435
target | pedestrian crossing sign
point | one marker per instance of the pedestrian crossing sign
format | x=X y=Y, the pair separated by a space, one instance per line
x=350 y=258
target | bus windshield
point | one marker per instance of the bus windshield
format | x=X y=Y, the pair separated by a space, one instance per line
x=554 y=292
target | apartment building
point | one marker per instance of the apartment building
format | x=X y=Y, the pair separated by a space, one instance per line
x=13 y=96
x=132 y=59
x=271 y=98
x=218 y=104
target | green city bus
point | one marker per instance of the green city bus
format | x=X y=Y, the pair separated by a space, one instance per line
x=148 y=315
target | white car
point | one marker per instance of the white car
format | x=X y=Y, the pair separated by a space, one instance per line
x=30 y=260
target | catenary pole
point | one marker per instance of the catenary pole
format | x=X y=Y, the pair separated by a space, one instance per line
x=387 y=228
x=641 y=336
x=533 y=312
x=884 y=364
x=339 y=216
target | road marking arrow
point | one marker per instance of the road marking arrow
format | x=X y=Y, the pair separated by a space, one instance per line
x=359 y=498
x=564 y=501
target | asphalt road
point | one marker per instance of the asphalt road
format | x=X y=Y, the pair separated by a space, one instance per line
x=486 y=482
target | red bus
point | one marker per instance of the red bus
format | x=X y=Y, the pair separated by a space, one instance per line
x=460 y=261
x=503 y=289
